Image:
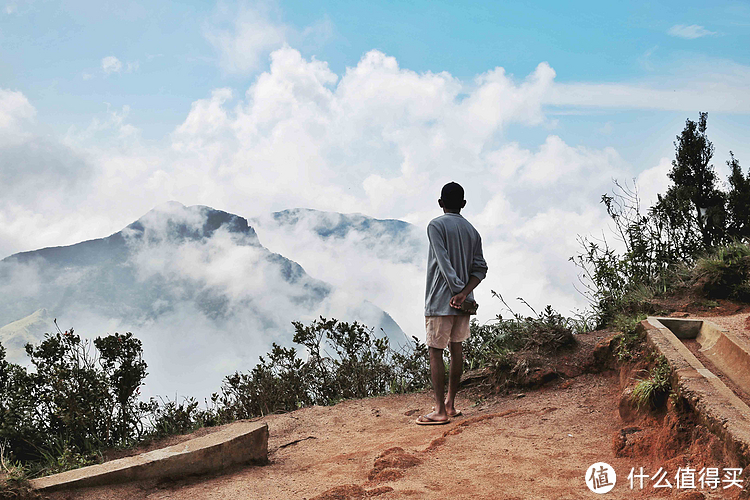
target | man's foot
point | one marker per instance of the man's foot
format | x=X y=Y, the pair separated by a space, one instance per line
x=433 y=419
x=452 y=412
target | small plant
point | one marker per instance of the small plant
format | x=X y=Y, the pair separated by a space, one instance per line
x=627 y=343
x=14 y=482
x=61 y=457
x=170 y=418
x=652 y=392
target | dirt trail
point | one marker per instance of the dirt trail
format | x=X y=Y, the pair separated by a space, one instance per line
x=532 y=445
x=535 y=446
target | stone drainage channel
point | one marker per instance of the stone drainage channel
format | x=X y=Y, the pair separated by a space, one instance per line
x=718 y=407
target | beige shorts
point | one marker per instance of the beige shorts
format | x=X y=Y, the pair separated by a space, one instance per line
x=444 y=329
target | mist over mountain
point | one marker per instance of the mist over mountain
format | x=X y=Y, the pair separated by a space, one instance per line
x=383 y=261
x=392 y=239
x=195 y=284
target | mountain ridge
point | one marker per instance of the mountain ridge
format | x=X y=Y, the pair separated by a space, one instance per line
x=192 y=282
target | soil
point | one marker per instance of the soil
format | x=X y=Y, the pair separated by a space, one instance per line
x=533 y=443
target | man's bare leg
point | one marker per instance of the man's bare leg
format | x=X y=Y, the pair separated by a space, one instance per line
x=437 y=373
x=457 y=366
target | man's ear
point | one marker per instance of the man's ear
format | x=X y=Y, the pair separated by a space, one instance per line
x=440 y=202
x=463 y=204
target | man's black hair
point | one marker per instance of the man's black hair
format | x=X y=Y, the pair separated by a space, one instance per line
x=452 y=196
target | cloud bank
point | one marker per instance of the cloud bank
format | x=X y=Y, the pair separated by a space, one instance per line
x=379 y=140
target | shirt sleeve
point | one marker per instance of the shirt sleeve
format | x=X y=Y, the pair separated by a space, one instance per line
x=437 y=243
x=478 y=264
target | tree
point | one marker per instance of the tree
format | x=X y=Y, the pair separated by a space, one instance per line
x=694 y=190
x=738 y=201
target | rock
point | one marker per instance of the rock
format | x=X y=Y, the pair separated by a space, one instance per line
x=690 y=495
x=628 y=410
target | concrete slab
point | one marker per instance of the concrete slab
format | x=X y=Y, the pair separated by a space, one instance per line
x=716 y=406
x=238 y=443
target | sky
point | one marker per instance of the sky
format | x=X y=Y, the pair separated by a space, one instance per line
x=108 y=109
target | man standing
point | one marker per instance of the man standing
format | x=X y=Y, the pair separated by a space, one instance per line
x=455 y=266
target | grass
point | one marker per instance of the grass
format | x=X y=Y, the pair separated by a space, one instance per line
x=652 y=392
x=14 y=483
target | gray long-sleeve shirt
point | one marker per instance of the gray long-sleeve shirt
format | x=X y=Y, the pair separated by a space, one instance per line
x=455 y=255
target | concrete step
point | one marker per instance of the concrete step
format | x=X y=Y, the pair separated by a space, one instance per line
x=238 y=443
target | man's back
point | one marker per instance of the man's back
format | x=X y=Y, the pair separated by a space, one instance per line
x=455 y=254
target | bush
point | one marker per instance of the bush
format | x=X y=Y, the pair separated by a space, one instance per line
x=724 y=273
x=80 y=398
x=547 y=333
x=168 y=418
x=360 y=365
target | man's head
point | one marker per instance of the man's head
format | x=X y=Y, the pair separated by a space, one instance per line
x=452 y=197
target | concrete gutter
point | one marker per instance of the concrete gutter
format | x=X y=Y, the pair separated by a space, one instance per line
x=238 y=443
x=716 y=406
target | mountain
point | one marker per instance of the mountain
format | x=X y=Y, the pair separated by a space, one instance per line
x=14 y=336
x=392 y=239
x=195 y=284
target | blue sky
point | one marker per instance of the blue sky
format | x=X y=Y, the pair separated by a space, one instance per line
x=110 y=108
x=48 y=48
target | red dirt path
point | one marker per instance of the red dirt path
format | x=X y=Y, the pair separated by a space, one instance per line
x=531 y=445
x=536 y=446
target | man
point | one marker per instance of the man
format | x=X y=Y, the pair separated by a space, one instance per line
x=455 y=266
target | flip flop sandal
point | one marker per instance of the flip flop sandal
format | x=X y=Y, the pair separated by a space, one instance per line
x=428 y=421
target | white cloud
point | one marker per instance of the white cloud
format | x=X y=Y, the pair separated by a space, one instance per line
x=690 y=32
x=244 y=37
x=16 y=114
x=653 y=181
x=111 y=64
x=687 y=84
x=717 y=95
x=317 y=34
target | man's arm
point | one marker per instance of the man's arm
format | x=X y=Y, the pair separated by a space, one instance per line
x=478 y=272
x=478 y=264
x=437 y=243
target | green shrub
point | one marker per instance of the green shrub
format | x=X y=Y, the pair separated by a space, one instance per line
x=627 y=344
x=547 y=332
x=652 y=392
x=724 y=272
x=344 y=361
x=80 y=397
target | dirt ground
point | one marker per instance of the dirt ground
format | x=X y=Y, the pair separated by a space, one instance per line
x=535 y=444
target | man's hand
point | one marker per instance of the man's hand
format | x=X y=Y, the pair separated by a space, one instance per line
x=458 y=299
